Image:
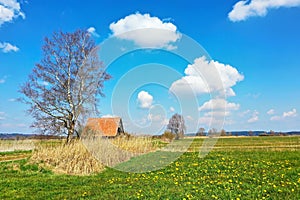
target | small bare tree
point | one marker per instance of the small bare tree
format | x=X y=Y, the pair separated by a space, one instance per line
x=201 y=132
x=213 y=132
x=66 y=85
x=222 y=132
x=177 y=126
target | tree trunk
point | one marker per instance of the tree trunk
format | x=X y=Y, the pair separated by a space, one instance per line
x=69 y=136
x=71 y=130
x=77 y=134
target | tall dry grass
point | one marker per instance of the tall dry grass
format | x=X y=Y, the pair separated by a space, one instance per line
x=72 y=159
x=90 y=155
x=111 y=152
x=135 y=144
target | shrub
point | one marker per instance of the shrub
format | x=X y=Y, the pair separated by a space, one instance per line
x=167 y=136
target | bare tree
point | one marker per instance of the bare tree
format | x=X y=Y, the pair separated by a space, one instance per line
x=222 y=132
x=66 y=85
x=213 y=132
x=201 y=132
x=177 y=126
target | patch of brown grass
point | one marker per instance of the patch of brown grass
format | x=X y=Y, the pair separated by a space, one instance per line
x=72 y=159
x=90 y=155
x=111 y=152
x=135 y=144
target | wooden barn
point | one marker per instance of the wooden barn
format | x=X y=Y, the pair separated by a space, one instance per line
x=107 y=127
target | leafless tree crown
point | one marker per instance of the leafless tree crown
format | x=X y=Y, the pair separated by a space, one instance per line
x=66 y=84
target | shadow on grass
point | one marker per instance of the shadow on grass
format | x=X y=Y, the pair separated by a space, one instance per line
x=148 y=162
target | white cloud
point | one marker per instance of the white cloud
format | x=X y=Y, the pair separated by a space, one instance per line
x=254 y=117
x=172 y=109
x=93 y=32
x=146 y=31
x=288 y=114
x=7 y=47
x=108 y=116
x=219 y=104
x=292 y=113
x=9 y=10
x=144 y=99
x=271 y=112
x=203 y=77
x=242 y=10
x=276 y=118
x=215 y=111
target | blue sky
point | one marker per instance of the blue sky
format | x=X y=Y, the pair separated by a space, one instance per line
x=253 y=47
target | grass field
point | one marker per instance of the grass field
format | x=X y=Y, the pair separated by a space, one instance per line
x=237 y=168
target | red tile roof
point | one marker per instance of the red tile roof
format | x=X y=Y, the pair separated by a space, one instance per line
x=105 y=126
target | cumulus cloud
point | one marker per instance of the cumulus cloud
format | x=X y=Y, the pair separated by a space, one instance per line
x=215 y=110
x=271 y=112
x=144 y=99
x=10 y=10
x=276 y=118
x=254 y=117
x=292 y=113
x=219 y=104
x=288 y=114
x=203 y=77
x=7 y=47
x=146 y=31
x=242 y=10
x=93 y=32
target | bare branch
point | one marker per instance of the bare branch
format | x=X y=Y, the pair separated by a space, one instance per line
x=65 y=84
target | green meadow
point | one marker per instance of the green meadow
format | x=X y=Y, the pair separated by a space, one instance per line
x=237 y=168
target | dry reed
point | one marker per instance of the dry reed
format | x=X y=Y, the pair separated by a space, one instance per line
x=72 y=159
x=111 y=152
x=90 y=155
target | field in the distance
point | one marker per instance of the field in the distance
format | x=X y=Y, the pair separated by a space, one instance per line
x=237 y=168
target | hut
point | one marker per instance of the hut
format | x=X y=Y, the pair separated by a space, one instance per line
x=107 y=127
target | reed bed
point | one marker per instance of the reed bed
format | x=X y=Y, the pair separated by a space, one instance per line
x=90 y=155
